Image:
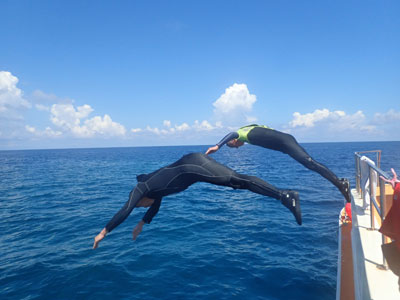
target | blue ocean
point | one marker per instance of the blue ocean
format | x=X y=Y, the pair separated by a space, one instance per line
x=208 y=242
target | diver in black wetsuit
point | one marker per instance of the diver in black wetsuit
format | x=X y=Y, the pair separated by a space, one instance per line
x=273 y=139
x=177 y=177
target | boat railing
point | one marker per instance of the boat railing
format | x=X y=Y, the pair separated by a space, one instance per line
x=381 y=183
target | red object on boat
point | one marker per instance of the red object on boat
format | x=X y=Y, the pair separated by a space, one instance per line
x=391 y=224
x=347 y=207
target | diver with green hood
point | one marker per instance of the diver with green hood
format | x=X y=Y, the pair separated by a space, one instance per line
x=276 y=140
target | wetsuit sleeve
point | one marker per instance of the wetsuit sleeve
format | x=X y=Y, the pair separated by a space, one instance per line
x=135 y=195
x=152 y=211
x=227 y=138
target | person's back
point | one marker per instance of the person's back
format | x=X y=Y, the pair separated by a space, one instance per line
x=174 y=178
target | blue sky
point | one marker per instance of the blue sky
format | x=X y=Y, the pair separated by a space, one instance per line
x=136 y=73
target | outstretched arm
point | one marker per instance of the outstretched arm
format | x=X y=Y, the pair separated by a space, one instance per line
x=137 y=230
x=212 y=150
x=230 y=136
x=392 y=181
x=134 y=196
x=151 y=212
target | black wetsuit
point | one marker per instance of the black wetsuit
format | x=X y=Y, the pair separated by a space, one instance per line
x=192 y=168
x=286 y=143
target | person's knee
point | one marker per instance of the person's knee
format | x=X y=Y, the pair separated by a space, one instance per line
x=310 y=163
x=237 y=183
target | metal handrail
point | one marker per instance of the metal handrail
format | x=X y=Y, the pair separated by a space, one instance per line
x=372 y=167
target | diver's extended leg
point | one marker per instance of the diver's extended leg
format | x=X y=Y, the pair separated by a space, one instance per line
x=290 y=199
x=298 y=153
x=286 y=143
x=205 y=169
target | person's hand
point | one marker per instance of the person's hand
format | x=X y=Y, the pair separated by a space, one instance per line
x=137 y=230
x=392 y=181
x=212 y=149
x=99 y=237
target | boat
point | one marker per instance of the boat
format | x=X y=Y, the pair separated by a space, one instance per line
x=363 y=269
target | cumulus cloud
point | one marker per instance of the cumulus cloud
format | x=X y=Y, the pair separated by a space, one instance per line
x=153 y=130
x=178 y=128
x=309 y=119
x=103 y=126
x=325 y=125
x=43 y=101
x=69 y=119
x=235 y=104
x=11 y=97
x=182 y=127
x=384 y=118
x=66 y=116
x=136 y=130
x=48 y=132
x=13 y=105
x=204 y=125
x=337 y=119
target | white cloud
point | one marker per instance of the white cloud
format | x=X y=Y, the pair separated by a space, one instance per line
x=66 y=116
x=69 y=119
x=51 y=133
x=136 y=130
x=13 y=105
x=236 y=97
x=153 y=130
x=164 y=131
x=325 y=125
x=309 y=119
x=233 y=108
x=30 y=129
x=102 y=126
x=204 y=125
x=337 y=119
x=182 y=127
x=178 y=129
x=43 y=101
x=234 y=105
x=48 y=132
x=11 y=97
x=389 y=117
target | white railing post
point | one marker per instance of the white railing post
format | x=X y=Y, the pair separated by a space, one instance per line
x=382 y=197
x=371 y=199
x=373 y=202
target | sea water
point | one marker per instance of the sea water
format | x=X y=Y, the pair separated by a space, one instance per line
x=208 y=242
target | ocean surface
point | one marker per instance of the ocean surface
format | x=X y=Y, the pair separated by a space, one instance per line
x=207 y=242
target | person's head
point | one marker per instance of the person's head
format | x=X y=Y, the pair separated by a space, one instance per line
x=235 y=143
x=145 y=202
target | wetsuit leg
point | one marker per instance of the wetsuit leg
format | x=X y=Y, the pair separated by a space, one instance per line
x=222 y=175
x=286 y=143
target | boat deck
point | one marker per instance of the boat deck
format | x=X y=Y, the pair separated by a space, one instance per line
x=370 y=280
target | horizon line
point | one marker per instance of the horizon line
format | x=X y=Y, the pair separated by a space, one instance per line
x=160 y=146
